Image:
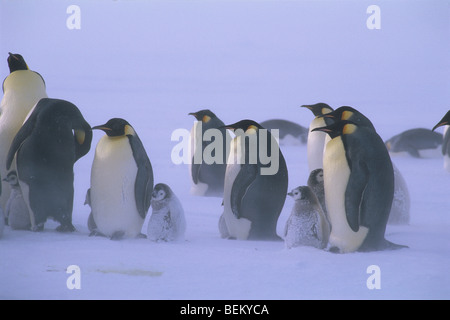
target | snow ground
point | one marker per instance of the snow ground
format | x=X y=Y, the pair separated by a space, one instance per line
x=154 y=62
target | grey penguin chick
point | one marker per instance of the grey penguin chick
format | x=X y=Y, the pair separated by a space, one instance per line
x=167 y=222
x=307 y=224
x=316 y=183
x=16 y=209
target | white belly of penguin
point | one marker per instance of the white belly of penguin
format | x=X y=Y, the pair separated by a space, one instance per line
x=336 y=174
x=316 y=144
x=112 y=188
x=237 y=228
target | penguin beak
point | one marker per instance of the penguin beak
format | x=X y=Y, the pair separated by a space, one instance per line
x=306 y=106
x=440 y=124
x=102 y=127
x=290 y=194
x=323 y=129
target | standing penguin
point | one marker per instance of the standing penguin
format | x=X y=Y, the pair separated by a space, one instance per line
x=22 y=89
x=46 y=148
x=167 y=222
x=317 y=140
x=256 y=183
x=316 y=183
x=208 y=174
x=445 y=121
x=2 y=222
x=16 y=208
x=121 y=181
x=307 y=224
x=359 y=187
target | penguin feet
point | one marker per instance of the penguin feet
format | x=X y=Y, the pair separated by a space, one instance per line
x=38 y=228
x=141 y=236
x=96 y=233
x=66 y=228
x=118 y=235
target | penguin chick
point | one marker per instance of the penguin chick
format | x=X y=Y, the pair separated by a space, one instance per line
x=121 y=181
x=316 y=183
x=307 y=224
x=167 y=222
x=16 y=209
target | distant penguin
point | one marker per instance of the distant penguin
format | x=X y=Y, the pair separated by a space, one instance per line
x=208 y=174
x=418 y=142
x=316 y=183
x=401 y=204
x=290 y=133
x=121 y=181
x=46 y=148
x=22 y=89
x=255 y=186
x=167 y=222
x=359 y=188
x=445 y=121
x=317 y=140
x=16 y=209
x=307 y=224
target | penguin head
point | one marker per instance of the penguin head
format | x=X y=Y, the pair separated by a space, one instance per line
x=318 y=108
x=315 y=177
x=248 y=126
x=117 y=127
x=160 y=192
x=444 y=121
x=16 y=62
x=203 y=115
x=11 y=178
x=338 y=128
x=301 y=193
x=350 y=114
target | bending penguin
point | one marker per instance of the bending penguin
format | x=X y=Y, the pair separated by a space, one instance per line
x=289 y=132
x=307 y=225
x=22 y=89
x=255 y=186
x=359 y=188
x=208 y=174
x=121 y=181
x=418 y=142
x=317 y=140
x=46 y=148
x=445 y=121
x=167 y=222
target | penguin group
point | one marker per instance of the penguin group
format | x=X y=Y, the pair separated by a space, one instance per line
x=352 y=192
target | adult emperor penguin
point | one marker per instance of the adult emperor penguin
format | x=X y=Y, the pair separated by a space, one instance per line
x=445 y=121
x=208 y=174
x=16 y=209
x=417 y=142
x=167 y=222
x=359 y=188
x=317 y=140
x=22 y=89
x=121 y=181
x=256 y=183
x=46 y=148
x=401 y=204
x=307 y=224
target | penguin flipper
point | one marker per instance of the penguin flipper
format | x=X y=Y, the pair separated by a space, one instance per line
x=244 y=179
x=195 y=171
x=446 y=143
x=23 y=133
x=354 y=193
x=143 y=186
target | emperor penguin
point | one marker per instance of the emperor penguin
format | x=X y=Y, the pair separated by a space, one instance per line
x=2 y=222
x=359 y=188
x=445 y=121
x=256 y=182
x=167 y=221
x=290 y=133
x=417 y=142
x=209 y=145
x=22 y=89
x=16 y=210
x=307 y=224
x=121 y=181
x=316 y=183
x=400 y=211
x=317 y=140
x=51 y=140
